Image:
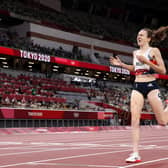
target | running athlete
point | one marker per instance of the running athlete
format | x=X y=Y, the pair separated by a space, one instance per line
x=147 y=60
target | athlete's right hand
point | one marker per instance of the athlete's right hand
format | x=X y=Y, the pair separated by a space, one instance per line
x=115 y=61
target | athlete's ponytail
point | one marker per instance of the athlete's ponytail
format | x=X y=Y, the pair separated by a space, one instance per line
x=157 y=35
x=160 y=34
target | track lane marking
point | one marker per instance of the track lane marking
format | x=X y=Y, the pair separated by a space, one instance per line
x=63 y=158
x=75 y=165
x=147 y=162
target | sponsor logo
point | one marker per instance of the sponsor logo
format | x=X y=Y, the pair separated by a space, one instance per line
x=76 y=115
x=150 y=85
x=119 y=70
x=35 y=56
x=35 y=114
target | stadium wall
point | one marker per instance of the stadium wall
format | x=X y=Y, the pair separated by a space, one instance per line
x=51 y=37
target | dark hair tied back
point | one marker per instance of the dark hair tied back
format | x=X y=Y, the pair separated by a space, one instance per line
x=159 y=35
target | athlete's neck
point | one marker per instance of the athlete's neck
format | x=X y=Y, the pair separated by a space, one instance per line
x=144 y=47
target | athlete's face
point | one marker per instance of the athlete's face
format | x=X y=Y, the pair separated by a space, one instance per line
x=142 y=38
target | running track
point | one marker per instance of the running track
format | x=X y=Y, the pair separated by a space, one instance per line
x=83 y=149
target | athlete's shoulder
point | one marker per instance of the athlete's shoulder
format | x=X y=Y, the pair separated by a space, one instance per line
x=135 y=51
x=155 y=52
x=155 y=49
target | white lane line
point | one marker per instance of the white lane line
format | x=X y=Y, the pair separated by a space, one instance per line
x=11 y=143
x=63 y=146
x=143 y=140
x=80 y=145
x=163 y=140
x=74 y=165
x=147 y=162
x=37 y=151
x=78 y=156
x=46 y=143
x=43 y=144
x=63 y=158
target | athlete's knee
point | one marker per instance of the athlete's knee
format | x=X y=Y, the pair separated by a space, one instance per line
x=135 y=122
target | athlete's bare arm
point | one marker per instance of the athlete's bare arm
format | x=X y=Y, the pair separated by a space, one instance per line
x=116 y=61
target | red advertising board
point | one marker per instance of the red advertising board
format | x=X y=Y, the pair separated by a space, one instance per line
x=12 y=113
x=47 y=58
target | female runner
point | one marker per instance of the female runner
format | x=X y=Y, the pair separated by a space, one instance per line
x=147 y=60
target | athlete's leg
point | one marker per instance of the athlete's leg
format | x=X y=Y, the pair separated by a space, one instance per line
x=158 y=107
x=137 y=102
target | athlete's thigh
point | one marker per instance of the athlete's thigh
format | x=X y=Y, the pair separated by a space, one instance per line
x=156 y=103
x=137 y=102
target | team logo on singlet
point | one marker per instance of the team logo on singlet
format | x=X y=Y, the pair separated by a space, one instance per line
x=139 y=63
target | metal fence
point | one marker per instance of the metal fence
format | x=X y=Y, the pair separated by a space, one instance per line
x=16 y=123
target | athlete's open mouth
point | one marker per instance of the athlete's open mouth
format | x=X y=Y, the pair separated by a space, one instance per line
x=139 y=40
